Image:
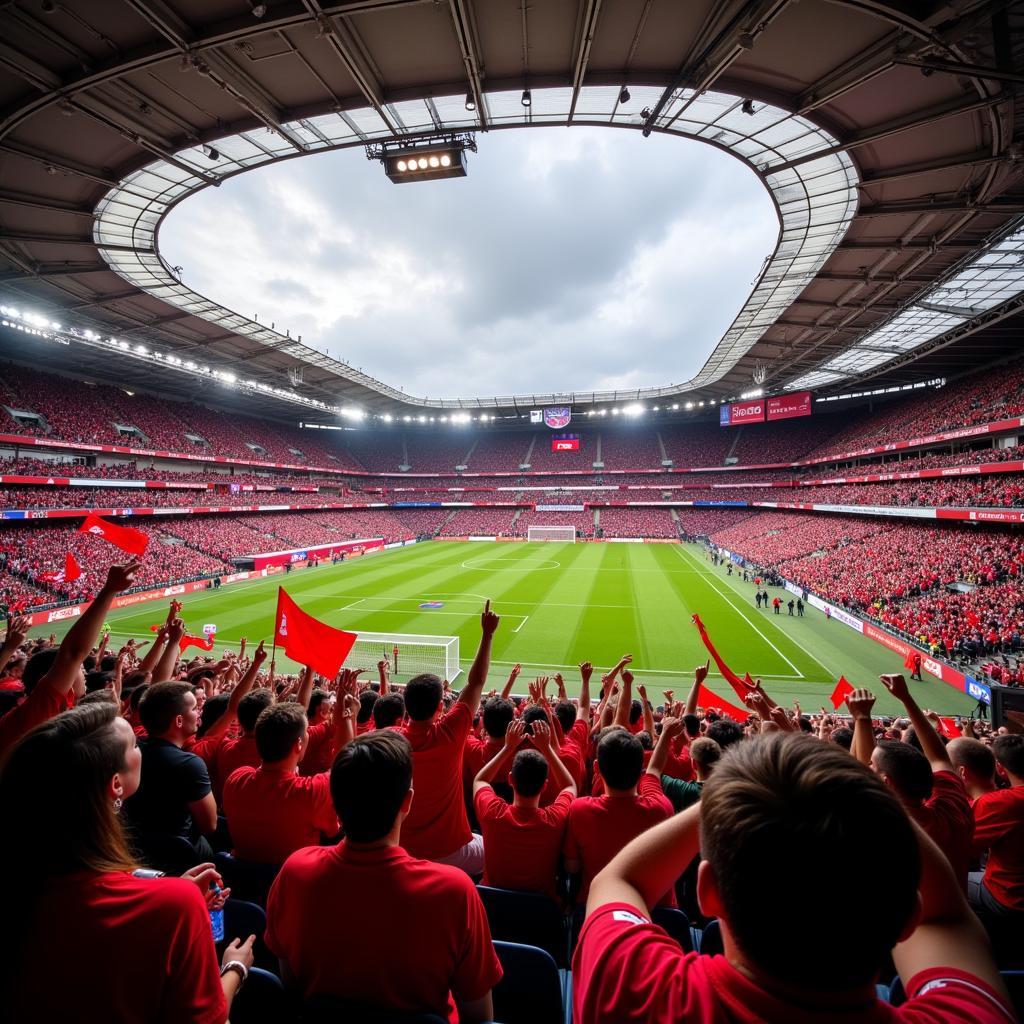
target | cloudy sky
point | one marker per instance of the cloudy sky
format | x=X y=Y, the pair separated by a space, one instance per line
x=568 y=259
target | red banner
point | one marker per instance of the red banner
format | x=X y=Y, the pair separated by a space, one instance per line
x=738 y=413
x=567 y=444
x=786 y=407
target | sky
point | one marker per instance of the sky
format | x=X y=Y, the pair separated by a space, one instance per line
x=569 y=259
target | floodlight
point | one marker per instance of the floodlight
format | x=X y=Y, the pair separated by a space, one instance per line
x=258 y=10
x=401 y=165
x=424 y=160
x=470 y=101
x=210 y=153
x=446 y=160
x=526 y=99
x=675 y=405
x=624 y=96
x=748 y=107
x=422 y=163
x=434 y=161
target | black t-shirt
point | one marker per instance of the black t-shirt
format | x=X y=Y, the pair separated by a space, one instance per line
x=172 y=779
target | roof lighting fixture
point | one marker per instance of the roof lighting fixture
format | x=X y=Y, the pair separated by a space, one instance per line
x=624 y=96
x=258 y=10
x=675 y=405
x=470 y=101
x=209 y=152
x=427 y=160
x=689 y=405
x=615 y=412
x=748 y=107
x=526 y=99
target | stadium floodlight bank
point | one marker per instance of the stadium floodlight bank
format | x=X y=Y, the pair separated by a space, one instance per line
x=408 y=654
x=561 y=534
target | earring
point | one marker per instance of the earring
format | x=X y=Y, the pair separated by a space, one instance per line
x=117 y=805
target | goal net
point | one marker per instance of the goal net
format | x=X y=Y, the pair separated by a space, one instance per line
x=565 y=534
x=408 y=654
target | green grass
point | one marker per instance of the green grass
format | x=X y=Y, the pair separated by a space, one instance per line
x=561 y=604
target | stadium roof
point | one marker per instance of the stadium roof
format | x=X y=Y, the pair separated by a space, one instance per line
x=886 y=133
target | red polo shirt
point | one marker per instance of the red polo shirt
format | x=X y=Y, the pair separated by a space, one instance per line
x=319 y=749
x=378 y=891
x=152 y=935
x=232 y=755
x=627 y=969
x=948 y=820
x=437 y=824
x=477 y=753
x=999 y=828
x=600 y=826
x=272 y=812
x=42 y=704
x=521 y=844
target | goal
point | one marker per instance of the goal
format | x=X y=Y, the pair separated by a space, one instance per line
x=408 y=654
x=565 y=534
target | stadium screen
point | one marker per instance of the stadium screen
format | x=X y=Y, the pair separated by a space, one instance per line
x=565 y=443
x=759 y=410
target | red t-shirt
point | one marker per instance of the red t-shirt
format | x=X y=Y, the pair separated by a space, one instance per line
x=947 y=818
x=143 y=954
x=521 y=844
x=319 y=753
x=476 y=755
x=627 y=969
x=600 y=826
x=999 y=828
x=272 y=812
x=42 y=704
x=437 y=824
x=232 y=755
x=320 y=888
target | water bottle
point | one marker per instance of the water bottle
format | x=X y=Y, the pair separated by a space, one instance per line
x=217 y=918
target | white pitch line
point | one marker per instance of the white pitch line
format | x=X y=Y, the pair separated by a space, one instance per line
x=521 y=624
x=676 y=673
x=346 y=607
x=713 y=583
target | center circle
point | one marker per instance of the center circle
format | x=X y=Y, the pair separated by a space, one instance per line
x=468 y=564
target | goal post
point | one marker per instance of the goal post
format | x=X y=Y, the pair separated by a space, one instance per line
x=408 y=654
x=564 y=534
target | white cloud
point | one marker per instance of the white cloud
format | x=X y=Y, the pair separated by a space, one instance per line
x=568 y=259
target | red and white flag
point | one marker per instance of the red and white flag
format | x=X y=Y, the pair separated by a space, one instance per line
x=310 y=641
x=68 y=574
x=134 y=542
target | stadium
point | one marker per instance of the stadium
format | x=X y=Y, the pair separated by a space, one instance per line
x=725 y=591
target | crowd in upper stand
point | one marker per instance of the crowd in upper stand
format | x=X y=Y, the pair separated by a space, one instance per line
x=358 y=814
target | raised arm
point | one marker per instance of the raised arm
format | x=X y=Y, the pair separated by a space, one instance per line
x=164 y=667
x=933 y=747
x=17 y=630
x=244 y=685
x=305 y=691
x=860 y=703
x=82 y=635
x=383 y=674
x=542 y=740
x=148 y=663
x=641 y=692
x=514 y=735
x=482 y=662
x=510 y=682
x=670 y=729
x=583 y=708
x=625 y=701
x=700 y=673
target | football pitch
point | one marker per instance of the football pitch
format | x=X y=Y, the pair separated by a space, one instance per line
x=561 y=604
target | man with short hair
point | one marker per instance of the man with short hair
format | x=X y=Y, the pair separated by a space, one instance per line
x=389 y=711
x=241 y=751
x=781 y=811
x=438 y=827
x=522 y=842
x=975 y=764
x=174 y=798
x=272 y=811
x=633 y=801
x=333 y=909
x=704 y=753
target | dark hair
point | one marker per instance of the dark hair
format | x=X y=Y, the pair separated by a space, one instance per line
x=137 y=694
x=277 y=729
x=162 y=703
x=907 y=768
x=532 y=714
x=316 y=698
x=636 y=710
x=725 y=732
x=251 y=706
x=388 y=710
x=692 y=725
x=797 y=807
x=803 y=723
x=705 y=752
x=565 y=712
x=97 y=680
x=55 y=785
x=423 y=696
x=645 y=739
x=972 y=755
x=366 y=701
x=37 y=666
x=620 y=758
x=529 y=772
x=369 y=780
x=103 y=696
x=213 y=710
x=498 y=716
x=1009 y=752
x=843 y=736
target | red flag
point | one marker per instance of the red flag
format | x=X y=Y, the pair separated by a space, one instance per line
x=730 y=677
x=310 y=641
x=709 y=700
x=68 y=574
x=841 y=692
x=204 y=643
x=134 y=542
x=908 y=661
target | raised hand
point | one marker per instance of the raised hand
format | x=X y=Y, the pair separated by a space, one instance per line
x=897 y=686
x=860 y=703
x=671 y=727
x=627 y=677
x=121 y=577
x=670 y=696
x=516 y=733
x=489 y=620
x=17 y=630
x=641 y=691
x=586 y=670
x=259 y=655
x=700 y=673
x=541 y=736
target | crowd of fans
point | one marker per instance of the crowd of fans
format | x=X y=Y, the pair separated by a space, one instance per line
x=638 y=522
x=146 y=793
x=479 y=522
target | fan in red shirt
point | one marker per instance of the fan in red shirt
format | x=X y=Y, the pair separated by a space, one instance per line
x=334 y=909
x=522 y=842
x=779 y=813
x=272 y=811
x=146 y=949
x=498 y=712
x=437 y=827
x=320 y=737
x=241 y=751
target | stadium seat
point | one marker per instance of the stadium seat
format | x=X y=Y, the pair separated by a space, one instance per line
x=1014 y=981
x=242 y=919
x=526 y=917
x=711 y=940
x=676 y=923
x=173 y=855
x=248 y=880
x=262 y=1000
x=332 y=1010
x=531 y=990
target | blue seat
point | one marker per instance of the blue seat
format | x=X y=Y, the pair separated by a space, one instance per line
x=676 y=923
x=332 y=1010
x=242 y=919
x=529 y=918
x=711 y=940
x=247 y=879
x=262 y=1000
x=530 y=992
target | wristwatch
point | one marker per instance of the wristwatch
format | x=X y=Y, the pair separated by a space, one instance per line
x=238 y=967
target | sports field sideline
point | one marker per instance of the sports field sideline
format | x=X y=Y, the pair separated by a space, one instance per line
x=561 y=604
